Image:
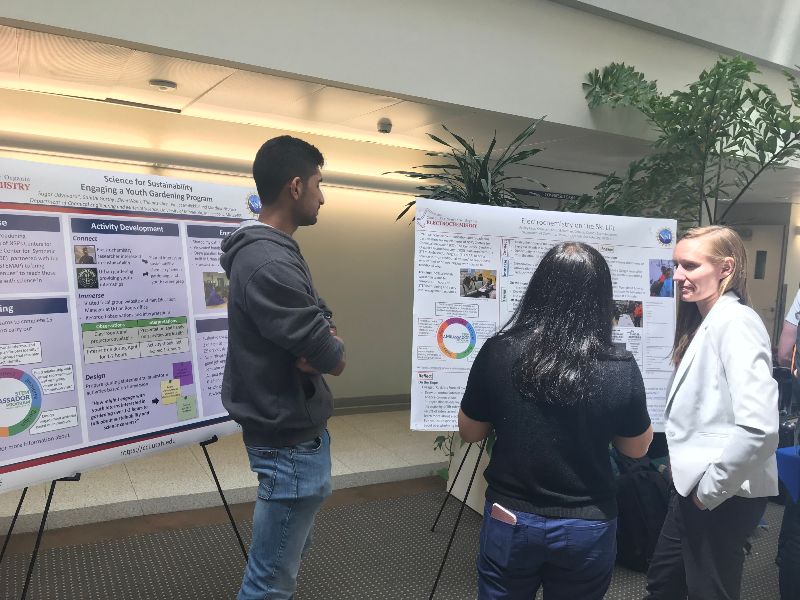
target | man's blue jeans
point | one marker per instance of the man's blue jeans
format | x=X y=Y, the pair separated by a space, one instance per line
x=292 y=484
x=570 y=558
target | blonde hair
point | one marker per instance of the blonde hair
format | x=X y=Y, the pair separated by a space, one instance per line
x=718 y=243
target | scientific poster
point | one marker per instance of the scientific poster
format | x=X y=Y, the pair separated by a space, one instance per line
x=113 y=316
x=472 y=265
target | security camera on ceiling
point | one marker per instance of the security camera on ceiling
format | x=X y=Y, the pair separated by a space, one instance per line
x=384 y=125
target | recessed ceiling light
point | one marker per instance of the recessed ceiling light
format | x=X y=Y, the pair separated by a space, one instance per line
x=163 y=85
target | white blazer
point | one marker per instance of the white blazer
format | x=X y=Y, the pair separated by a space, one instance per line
x=722 y=409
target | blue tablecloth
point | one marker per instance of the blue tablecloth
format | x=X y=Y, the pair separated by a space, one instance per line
x=789 y=470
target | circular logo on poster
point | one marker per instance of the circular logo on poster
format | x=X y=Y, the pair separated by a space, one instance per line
x=456 y=338
x=20 y=401
x=254 y=204
x=665 y=236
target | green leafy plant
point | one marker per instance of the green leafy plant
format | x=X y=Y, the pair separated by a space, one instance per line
x=465 y=175
x=714 y=139
x=444 y=444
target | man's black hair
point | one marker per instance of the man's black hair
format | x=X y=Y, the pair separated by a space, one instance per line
x=280 y=160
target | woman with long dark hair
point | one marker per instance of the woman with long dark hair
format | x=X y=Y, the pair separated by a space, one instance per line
x=556 y=391
x=721 y=421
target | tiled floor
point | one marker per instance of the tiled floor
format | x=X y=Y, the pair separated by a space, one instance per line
x=366 y=449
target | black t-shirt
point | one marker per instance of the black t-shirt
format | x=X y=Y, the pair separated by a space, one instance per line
x=553 y=460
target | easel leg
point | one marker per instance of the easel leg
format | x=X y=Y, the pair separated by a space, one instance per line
x=39 y=535
x=13 y=522
x=458 y=520
x=452 y=485
x=221 y=494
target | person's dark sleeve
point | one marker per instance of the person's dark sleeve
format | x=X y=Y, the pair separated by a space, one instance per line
x=280 y=301
x=633 y=418
x=476 y=402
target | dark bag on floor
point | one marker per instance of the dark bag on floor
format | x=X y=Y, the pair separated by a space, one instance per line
x=787 y=431
x=642 y=498
x=783 y=376
x=788 y=418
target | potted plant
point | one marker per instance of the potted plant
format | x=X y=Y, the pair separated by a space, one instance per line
x=714 y=139
x=466 y=175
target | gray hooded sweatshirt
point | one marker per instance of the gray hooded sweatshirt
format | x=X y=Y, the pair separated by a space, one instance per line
x=274 y=317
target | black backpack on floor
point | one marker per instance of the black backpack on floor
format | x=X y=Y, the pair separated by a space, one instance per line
x=642 y=497
x=787 y=432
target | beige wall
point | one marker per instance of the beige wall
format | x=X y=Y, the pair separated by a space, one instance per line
x=362 y=262
x=766 y=29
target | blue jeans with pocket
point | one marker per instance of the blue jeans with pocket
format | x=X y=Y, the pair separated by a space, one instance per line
x=570 y=559
x=292 y=484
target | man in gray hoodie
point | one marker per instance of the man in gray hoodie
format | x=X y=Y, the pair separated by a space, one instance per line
x=281 y=339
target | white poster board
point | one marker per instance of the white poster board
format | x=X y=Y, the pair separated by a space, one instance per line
x=473 y=263
x=113 y=316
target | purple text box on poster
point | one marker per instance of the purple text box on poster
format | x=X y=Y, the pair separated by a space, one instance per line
x=183 y=371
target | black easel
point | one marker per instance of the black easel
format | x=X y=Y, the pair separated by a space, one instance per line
x=76 y=477
x=460 y=511
x=13 y=522
x=203 y=445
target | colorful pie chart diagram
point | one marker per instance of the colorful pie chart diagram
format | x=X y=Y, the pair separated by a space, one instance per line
x=20 y=401
x=456 y=338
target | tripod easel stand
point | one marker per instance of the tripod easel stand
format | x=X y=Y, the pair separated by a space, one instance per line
x=77 y=477
x=460 y=511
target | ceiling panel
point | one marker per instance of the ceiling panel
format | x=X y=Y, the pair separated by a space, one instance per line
x=407 y=116
x=563 y=146
x=193 y=79
x=8 y=57
x=595 y=153
x=336 y=105
x=253 y=92
x=479 y=128
x=59 y=64
x=338 y=119
x=780 y=185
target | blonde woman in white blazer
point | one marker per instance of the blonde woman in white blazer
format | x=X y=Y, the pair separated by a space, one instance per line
x=721 y=423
